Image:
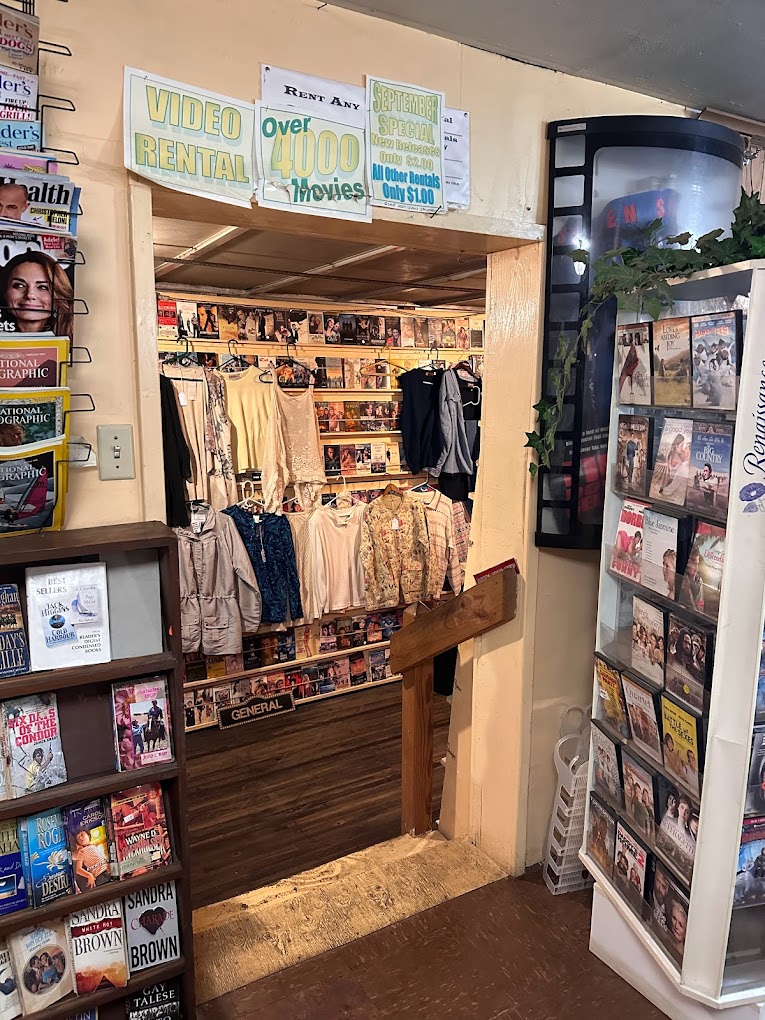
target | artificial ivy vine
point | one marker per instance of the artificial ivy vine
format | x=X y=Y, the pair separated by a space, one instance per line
x=638 y=278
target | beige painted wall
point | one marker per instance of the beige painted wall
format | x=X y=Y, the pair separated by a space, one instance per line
x=220 y=46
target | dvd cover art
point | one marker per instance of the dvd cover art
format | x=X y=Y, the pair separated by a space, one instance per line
x=669 y=482
x=610 y=707
x=716 y=339
x=316 y=327
x=709 y=480
x=669 y=912
x=627 y=550
x=641 y=709
x=750 y=874
x=633 y=363
x=689 y=661
x=639 y=795
x=681 y=744
x=605 y=764
x=632 y=454
x=332 y=327
x=678 y=828
x=658 y=566
x=671 y=344
x=648 y=640
x=702 y=582
x=755 y=793
x=601 y=836
x=630 y=865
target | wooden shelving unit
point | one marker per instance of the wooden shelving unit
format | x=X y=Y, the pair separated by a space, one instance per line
x=84 y=700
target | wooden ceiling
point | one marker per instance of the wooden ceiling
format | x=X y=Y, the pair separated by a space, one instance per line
x=251 y=262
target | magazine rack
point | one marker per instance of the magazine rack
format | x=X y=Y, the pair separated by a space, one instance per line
x=84 y=698
x=723 y=962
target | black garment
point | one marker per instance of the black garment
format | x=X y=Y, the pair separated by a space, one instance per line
x=176 y=457
x=268 y=541
x=459 y=486
x=420 y=425
x=444 y=666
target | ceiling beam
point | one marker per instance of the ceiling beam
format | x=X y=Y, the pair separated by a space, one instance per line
x=211 y=243
x=352 y=260
x=423 y=284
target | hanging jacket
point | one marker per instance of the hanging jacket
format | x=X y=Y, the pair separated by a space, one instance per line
x=219 y=591
x=456 y=454
x=394 y=551
x=420 y=418
x=176 y=456
x=268 y=541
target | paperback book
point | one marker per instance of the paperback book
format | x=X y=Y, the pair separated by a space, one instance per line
x=42 y=965
x=702 y=581
x=97 y=943
x=610 y=706
x=601 y=835
x=605 y=766
x=142 y=722
x=669 y=911
x=661 y=551
x=755 y=792
x=19 y=39
x=648 y=640
x=32 y=490
x=32 y=742
x=640 y=789
x=627 y=551
x=151 y=918
x=13 y=885
x=68 y=615
x=634 y=443
x=34 y=364
x=45 y=854
x=14 y=651
x=678 y=829
x=643 y=716
x=671 y=346
x=10 y=1003
x=87 y=836
x=672 y=465
x=750 y=875
x=140 y=829
x=690 y=655
x=709 y=480
x=716 y=340
x=630 y=865
x=157 y=1002
x=633 y=363
x=682 y=744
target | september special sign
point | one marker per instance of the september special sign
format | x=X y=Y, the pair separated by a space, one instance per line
x=189 y=139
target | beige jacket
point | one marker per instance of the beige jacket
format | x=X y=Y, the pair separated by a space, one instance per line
x=219 y=592
x=394 y=551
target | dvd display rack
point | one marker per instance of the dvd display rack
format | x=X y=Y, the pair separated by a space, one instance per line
x=675 y=828
x=143 y=553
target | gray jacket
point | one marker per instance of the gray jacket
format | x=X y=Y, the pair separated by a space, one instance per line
x=455 y=458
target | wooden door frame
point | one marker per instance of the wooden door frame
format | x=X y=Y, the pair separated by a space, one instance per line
x=487 y=778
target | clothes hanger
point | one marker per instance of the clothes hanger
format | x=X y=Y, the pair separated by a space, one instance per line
x=343 y=494
x=432 y=361
x=184 y=359
x=234 y=360
x=248 y=501
x=424 y=486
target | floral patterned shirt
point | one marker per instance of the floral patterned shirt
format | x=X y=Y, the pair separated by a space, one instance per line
x=394 y=551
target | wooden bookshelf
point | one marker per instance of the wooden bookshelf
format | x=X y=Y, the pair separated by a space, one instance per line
x=85 y=713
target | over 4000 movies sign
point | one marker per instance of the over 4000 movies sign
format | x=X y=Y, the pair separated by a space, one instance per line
x=406 y=146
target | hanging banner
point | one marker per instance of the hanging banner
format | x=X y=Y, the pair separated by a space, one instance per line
x=320 y=96
x=189 y=139
x=457 y=157
x=405 y=146
x=311 y=164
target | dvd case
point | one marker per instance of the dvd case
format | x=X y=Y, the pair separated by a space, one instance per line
x=601 y=835
x=648 y=643
x=683 y=744
x=633 y=358
x=671 y=349
x=750 y=877
x=678 y=827
x=634 y=443
x=643 y=712
x=640 y=794
x=669 y=911
x=669 y=482
x=630 y=867
x=610 y=707
x=716 y=339
x=690 y=661
x=627 y=551
x=709 y=475
x=605 y=766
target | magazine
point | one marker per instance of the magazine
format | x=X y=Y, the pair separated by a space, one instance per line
x=648 y=640
x=630 y=864
x=68 y=615
x=633 y=363
x=19 y=39
x=20 y=134
x=18 y=88
x=97 y=941
x=30 y=416
x=627 y=551
x=45 y=855
x=32 y=487
x=14 y=651
x=142 y=727
x=716 y=341
x=671 y=345
x=42 y=965
x=151 y=919
x=32 y=742
x=34 y=364
x=702 y=581
x=681 y=744
x=671 y=470
x=50 y=201
x=639 y=795
x=633 y=445
x=709 y=478
x=643 y=717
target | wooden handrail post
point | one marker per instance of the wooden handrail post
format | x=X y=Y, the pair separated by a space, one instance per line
x=413 y=648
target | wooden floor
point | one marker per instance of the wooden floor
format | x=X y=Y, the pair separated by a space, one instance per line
x=508 y=951
x=284 y=795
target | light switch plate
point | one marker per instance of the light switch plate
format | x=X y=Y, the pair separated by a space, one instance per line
x=115 y=452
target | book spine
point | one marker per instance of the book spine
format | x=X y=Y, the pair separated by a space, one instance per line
x=26 y=863
x=114 y=864
x=117 y=760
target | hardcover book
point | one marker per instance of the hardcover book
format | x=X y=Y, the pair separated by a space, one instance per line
x=633 y=363
x=157 y=1002
x=34 y=364
x=661 y=551
x=640 y=789
x=755 y=793
x=42 y=965
x=690 y=655
x=601 y=835
x=140 y=829
x=669 y=912
x=142 y=729
x=643 y=717
x=32 y=741
x=678 y=829
x=716 y=340
x=13 y=885
x=682 y=742
x=648 y=640
x=14 y=651
x=709 y=480
x=68 y=615
x=45 y=855
x=702 y=582
x=630 y=865
x=669 y=482
x=610 y=707
x=10 y=1003
x=750 y=877
x=671 y=346
x=19 y=39
x=97 y=942
x=634 y=443
x=605 y=764
x=151 y=918
x=87 y=836
x=627 y=551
